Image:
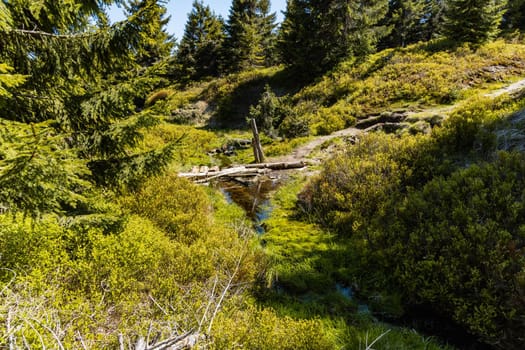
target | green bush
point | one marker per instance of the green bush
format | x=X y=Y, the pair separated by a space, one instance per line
x=452 y=245
x=354 y=186
x=175 y=205
x=438 y=217
x=255 y=328
x=270 y=111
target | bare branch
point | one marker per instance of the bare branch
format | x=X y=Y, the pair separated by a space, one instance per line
x=157 y=304
x=170 y=342
x=58 y=36
x=121 y=341
x=10 y=332
x=209 y=303
x=79 y=336
x=226 y=288
x=369 y=347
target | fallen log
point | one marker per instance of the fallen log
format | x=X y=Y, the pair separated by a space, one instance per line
x=241 y=171
x=277 y=166
x=230 y=172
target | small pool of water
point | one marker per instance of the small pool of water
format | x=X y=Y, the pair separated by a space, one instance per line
x=253 y=197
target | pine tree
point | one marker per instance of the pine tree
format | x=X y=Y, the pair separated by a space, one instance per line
x=407 y=21
x=200 y=47
x=433 y=21
x=514 y=18
x=248 y=30
x=67 y=91
x=316 y=35
x=474 y=21
x=155 y=43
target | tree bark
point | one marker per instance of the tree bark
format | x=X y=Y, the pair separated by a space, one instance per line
x=256 y=143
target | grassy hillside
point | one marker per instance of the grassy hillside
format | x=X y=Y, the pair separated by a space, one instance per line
x=412 y=78
x=359 y=189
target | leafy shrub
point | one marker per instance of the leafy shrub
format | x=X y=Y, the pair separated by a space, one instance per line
x=453 y=243
x=295 y=125
x=334 y=118
x=176 y=206
x=255 y=328
x=354 y=186
x=27 y=244
x=438 y=217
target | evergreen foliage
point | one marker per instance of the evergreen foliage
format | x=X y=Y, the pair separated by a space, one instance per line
x=315 y=35
x=155 y=44
x=200 y=48
x=474 y=21
x=73 y=91
x=408 y=21
x=433 y=21
x=270 y=111
x=249 y=35
x=115 y=252
x=514 y=18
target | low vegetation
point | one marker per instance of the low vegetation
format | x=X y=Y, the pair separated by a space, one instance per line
x=437 y=218
x=103 y=245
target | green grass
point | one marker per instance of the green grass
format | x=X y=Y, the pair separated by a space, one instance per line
x=303 y=259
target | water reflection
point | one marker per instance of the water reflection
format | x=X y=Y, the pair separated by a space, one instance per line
x=253 y=197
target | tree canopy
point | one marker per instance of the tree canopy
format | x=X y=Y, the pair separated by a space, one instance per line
x=200 y=48
x=69 y=86
x=249 y=33
x=474 y=21
x=315 y=35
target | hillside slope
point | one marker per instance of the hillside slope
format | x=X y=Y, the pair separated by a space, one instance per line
x=405 y=79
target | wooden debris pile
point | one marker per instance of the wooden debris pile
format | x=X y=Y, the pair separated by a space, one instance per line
x=204 y=174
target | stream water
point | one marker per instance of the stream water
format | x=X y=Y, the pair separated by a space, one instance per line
x=253 y=197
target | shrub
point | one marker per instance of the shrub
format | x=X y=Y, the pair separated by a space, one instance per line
x=175 y=205
x=254 y=328
x=354 y=186
x=452 y=245
x=270 y=111
x=28 y=245
x=434 y=217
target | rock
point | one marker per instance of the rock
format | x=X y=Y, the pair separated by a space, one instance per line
x=383 y=118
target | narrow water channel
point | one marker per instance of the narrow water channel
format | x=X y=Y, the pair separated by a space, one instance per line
x=254 y=197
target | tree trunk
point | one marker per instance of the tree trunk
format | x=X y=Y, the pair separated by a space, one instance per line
x=256 y=143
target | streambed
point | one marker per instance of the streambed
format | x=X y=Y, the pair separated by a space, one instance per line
x=255 y=198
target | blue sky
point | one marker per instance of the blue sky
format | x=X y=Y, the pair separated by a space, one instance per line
x=179 y=9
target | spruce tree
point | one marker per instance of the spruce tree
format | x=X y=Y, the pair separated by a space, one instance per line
x=248 y=30
x=406 y=19
x=200 y=47
x=155 y=43
x=71 y=120
x=433 y=21
x=316 y=35
x=474 y=21
x=514 y=18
